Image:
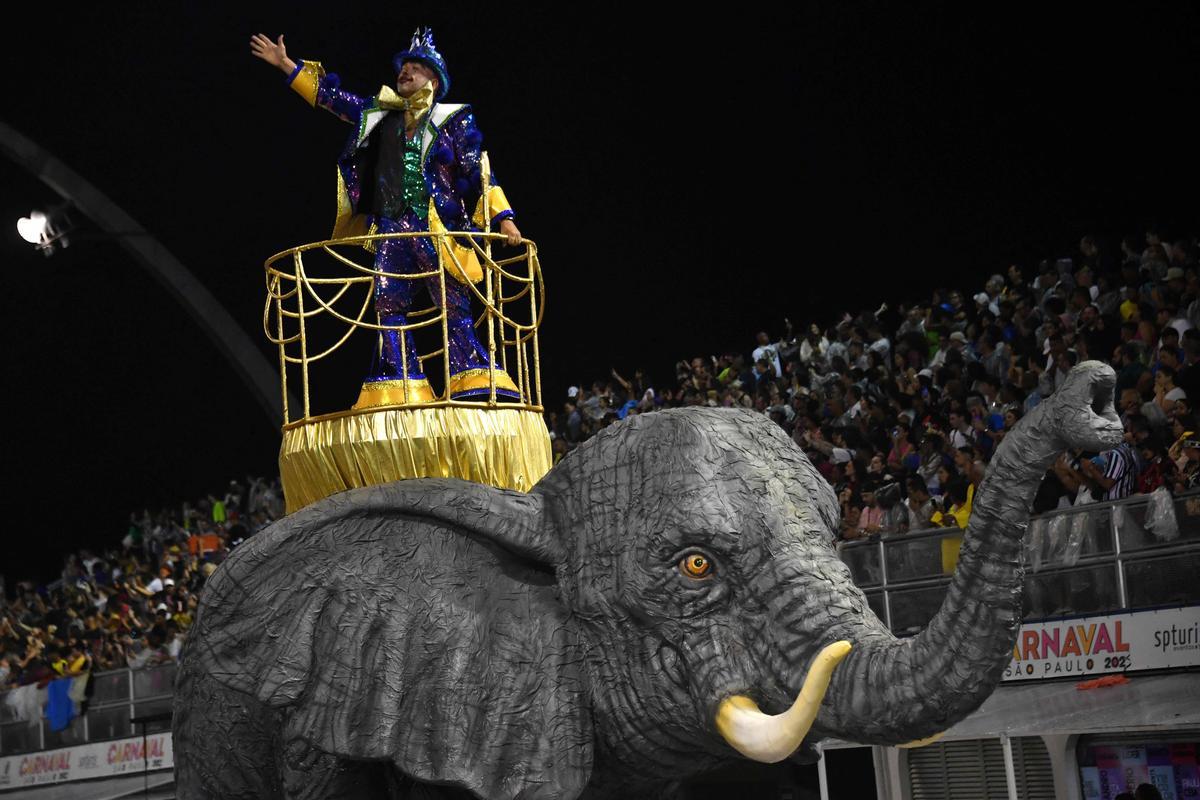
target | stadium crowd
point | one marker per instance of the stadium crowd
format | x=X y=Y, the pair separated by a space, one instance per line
x=902 y=408
x=899 y=408
x=129 y=605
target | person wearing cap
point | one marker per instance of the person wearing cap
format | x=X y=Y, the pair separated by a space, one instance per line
x=956 y=341
x=413 y=164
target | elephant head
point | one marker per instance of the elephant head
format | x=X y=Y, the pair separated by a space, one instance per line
x=666 y=598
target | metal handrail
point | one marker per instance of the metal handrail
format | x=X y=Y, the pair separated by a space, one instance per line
x=897 y=537
x=875 y=575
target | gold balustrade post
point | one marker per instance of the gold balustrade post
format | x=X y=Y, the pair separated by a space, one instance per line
x=531 y=262
x=283 y=367
x=403 y=333
x=301 y=285
x=485 y=169
x=443 y=243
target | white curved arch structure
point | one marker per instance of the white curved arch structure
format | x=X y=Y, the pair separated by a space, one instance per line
x=260 y=376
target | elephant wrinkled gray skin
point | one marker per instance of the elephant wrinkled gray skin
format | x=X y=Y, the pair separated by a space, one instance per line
x=436 y=638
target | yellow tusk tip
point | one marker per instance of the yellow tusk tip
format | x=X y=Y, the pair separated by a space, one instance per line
x=837 y=651
x=921 y=742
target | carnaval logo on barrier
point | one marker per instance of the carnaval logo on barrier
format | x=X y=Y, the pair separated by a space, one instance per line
x=1095 y=645
x=45 y=764
x=120 y=753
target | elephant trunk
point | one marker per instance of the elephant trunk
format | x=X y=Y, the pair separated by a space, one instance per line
x=891 y=691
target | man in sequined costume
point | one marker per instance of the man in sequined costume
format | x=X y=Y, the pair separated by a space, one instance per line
x=412 y=165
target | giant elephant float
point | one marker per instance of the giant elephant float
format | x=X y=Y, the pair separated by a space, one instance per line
x=665 y=601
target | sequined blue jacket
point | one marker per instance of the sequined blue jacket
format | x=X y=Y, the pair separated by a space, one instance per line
x=450 y=157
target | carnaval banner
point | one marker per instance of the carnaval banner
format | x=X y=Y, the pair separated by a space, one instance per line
x=97 y=760
x=1142 y=640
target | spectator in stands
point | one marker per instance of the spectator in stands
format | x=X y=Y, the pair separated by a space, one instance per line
x=931 y=459
x=1157 y=469
x=956 y=505
x=1166 y=391
x=1113 y=475
x=1187 y=464
x=902 y=448
x=871 y=517
x=944 y=476
x=919 y=508
x=960 y=430
x=770 y=352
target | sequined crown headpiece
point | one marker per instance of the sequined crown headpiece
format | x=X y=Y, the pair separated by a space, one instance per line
x=422 y=49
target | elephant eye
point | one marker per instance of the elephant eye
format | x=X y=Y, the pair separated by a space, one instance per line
x=696 y=565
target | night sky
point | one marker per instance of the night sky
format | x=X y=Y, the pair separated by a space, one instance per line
x=688 y=180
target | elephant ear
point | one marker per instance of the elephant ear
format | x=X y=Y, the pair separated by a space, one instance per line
x=416 y=622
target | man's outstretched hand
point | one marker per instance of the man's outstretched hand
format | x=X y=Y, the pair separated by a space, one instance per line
x=512 y=236
x=274 y=53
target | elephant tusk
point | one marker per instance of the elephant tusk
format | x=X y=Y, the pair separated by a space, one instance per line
x=922 y=742
x=766 y=738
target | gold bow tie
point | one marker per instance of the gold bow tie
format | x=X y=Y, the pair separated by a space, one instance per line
x=413 y=106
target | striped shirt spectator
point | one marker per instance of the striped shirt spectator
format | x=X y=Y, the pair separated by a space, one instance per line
x=1122 y=468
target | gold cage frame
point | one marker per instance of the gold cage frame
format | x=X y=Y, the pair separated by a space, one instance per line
x=492 y=439
x=523 y=344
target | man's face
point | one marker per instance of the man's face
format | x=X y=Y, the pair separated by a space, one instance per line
x=412 y=76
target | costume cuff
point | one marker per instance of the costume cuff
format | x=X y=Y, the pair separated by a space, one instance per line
x=498 y=207
x=306 y=79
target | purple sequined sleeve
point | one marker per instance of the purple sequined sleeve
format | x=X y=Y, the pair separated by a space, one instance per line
x=333 y=98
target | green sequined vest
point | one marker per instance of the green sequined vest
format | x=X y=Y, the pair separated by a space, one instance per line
x=399 y=180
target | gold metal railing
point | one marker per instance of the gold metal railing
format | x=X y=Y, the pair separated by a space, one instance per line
x=312 y=309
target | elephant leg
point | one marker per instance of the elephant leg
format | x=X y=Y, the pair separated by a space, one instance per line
x=311 y=774
x=224 y=742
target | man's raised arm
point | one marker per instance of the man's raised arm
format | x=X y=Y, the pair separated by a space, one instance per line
x=308 y=79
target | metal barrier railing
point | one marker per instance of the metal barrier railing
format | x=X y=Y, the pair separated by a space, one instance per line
x=116 y=697
x=1098 y=558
